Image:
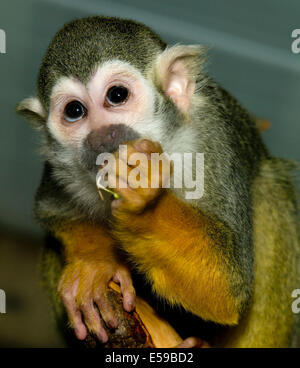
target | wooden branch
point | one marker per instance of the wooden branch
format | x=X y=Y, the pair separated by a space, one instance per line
x=142 y=328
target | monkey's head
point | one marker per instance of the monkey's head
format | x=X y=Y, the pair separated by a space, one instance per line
x=105 y=81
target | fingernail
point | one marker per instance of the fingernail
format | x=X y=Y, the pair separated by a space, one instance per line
x=112 y=323
x=80 y=333
x=103 y=338
x=130 y=306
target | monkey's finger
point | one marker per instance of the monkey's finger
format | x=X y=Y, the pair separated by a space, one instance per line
x=142 y=145
x=129 y=198
x=117 y=202
x=92 y=320
x=129 y=161
x=192 y=342
x=78 y=325
x=106 y=310
x=144 y=177
x=123 y=278
x=74 y=317
x=123 y=164
x=122 y=187
x=147 y=146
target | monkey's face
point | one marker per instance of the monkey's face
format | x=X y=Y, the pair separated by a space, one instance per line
x=116 y=105
x=104 y=82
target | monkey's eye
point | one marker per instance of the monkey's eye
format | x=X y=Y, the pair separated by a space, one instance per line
x=74 y=111
x=116 y=95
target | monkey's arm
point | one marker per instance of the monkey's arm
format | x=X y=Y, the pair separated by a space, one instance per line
x=89 y=260
x=187 y=256
x=180 y=251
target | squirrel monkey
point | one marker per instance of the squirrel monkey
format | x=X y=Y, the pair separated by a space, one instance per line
x=229 y=257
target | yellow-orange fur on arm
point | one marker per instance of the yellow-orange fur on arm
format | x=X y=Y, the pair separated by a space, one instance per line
x=83 y=240
x=89 y=255
x=169 y=242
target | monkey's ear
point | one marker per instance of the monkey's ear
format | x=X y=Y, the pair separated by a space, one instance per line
x=176 y=72
x=32 y=109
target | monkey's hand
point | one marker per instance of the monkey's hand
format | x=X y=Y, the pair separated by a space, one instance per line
x=181 y=251
x=83 y=289
x=135 y=198
x=91 y=262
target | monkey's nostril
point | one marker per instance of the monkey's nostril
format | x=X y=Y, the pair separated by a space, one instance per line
x=108 y=138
